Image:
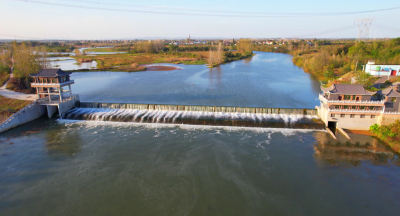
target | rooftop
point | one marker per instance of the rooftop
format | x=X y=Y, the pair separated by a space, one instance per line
x=348 y=89
x=389 y=92
x=51 y=72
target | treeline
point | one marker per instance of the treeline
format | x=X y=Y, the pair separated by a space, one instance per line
x=26 y=62
x=330 y=59
x=336 y=60
x=218 y=55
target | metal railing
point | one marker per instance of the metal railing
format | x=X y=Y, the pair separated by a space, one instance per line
x=53 y=84
x=324 y=99
x=355 y=111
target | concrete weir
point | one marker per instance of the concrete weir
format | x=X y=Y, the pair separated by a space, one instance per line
x=197 y=115
x=225 y=109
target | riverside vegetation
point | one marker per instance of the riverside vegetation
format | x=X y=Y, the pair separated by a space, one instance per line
x=338 y=61
x=390 y=134
x=145 y=52
x=334 y=61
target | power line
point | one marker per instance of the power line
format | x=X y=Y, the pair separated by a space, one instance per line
x=327 y=31
x=22 y=37
x=385 y=27
x=235 y=12
x=266 y=15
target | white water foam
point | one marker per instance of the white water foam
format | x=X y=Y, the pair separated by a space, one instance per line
x=284 y=131
x=156 y=116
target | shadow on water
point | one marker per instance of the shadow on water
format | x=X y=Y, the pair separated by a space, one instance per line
x=58 y=144
x=354 y=151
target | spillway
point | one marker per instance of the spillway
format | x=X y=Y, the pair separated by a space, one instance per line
x=197 y=115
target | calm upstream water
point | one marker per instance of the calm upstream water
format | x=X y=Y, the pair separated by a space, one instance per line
x=265 y=80
x=63 y=167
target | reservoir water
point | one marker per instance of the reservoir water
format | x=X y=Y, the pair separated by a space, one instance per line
x=64 y=167
x=265 y=80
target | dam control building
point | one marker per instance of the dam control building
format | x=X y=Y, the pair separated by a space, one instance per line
x=350 y=106
x=50 y=84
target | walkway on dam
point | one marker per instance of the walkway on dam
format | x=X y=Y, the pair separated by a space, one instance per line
x=381 y=80
x=16 y=95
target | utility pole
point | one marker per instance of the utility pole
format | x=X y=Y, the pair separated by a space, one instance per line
x=355 y=69
x=364 y=28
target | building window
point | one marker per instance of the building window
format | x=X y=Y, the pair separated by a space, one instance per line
x=362 y=116
x=337 y=107
x=353 y=107
x=393 y=99
x=347 y=97
x=332 y=115
x=371 y=107
x=352 y=116
x=362 y=107
x=354 y=97
x=372 y=116
x=345 y=107
x=342 y=115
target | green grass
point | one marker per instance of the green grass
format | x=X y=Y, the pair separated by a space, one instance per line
x=9 y=106
x=3 y=78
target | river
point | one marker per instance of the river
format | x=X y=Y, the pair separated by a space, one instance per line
x=265 y=80
x=63 y=167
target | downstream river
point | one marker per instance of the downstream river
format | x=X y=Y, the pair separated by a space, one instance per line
x=64 y=167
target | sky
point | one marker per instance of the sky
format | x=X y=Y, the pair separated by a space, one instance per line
x=174 y=19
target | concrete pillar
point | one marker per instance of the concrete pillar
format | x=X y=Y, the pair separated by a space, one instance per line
x=51 y=110
x=48 y=91
x=70 y=93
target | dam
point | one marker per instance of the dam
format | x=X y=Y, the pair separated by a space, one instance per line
x=196 y=115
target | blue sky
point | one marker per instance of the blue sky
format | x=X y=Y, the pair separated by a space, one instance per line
x=40 y=20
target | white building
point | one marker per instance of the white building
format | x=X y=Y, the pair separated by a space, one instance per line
x=382 y=70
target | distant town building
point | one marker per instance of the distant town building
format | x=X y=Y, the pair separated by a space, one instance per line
x=382 y=70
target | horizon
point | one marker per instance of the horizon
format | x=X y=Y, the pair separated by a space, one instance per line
x=123 y=20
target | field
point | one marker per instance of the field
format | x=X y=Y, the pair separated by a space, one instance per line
x=131 y=62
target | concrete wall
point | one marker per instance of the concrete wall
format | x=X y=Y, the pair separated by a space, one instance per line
x=51 y=110
x=371 y=69
x=346 y=122
x=29 y=113
x=66 y=106
x=355 y=123
x=389 y=119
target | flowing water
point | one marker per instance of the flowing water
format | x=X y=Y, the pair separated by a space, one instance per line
x=149 y=163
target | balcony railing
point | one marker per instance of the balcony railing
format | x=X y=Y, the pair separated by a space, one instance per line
x=324 y=99
x=53 y=84
x=56 y=99
x=354 y=111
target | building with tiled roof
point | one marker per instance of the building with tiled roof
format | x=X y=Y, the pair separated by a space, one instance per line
x=351 y=106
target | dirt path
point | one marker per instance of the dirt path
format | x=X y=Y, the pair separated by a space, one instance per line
x=16 y=95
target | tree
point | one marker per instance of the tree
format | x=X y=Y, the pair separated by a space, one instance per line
x=244 y=46
x=26 y=61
